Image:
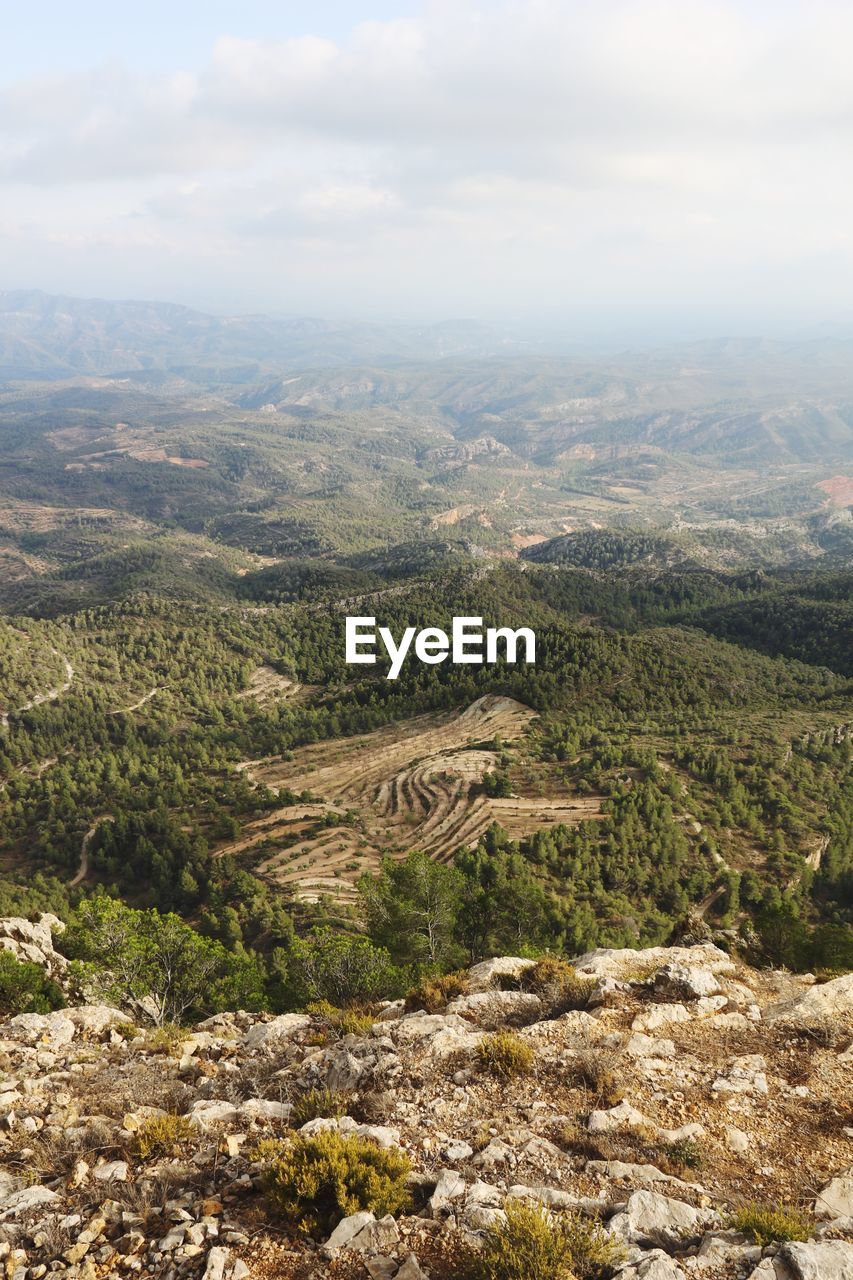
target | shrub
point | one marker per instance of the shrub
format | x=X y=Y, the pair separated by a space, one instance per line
x=534 y=1244
x=165 y=1039
x=433 y=993
x=771 y=1224
x=558 y=983
x=346 y=1022
x=25 y=988
x=161 y=1135
x=316 y=1104
x=344 y=969
x=505 y=1054
x=594 y=1072
x=315 y=1182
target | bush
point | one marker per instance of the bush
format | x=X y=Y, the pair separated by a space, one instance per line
x=432 y=994
x=316 y=1104
x=346 y=1022
x=344 y=969
x=315 y=1182
x=26 y=988
x=505 y=1054
x=161 y=1135
x=534 y=1244
x=772 y=1224
x=558 y=983
x=591 y=1069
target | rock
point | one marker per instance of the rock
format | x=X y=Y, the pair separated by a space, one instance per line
x=487 y=974
x=495 y=1008
x=48 y=1030
x=262 y=1109
x=640 y=1045
x=648 y=1215
x=268 y=1035
x=440 y=1034
x=94 y=1019
x=660 y=1015
x=210 y=1114
x=836 y=1198
x=33 y=942
x=411 y=1269
x=361 y=1232
x=746 y=1074
x=821 y=1003
x=823 y=1260
x=685 y=982
x=655 y=1266
x=111 y=1171
x=736 y=1139
x=726 y=1249
x=622 y=1116
x=449 y=1186
x=23 y=1201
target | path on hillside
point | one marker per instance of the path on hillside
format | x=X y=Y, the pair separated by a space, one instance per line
x=83 y=867
x=49 y=695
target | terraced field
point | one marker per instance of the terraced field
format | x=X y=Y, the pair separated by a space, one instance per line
x=407 y=786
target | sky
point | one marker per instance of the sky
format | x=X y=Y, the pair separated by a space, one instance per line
x=640 y=167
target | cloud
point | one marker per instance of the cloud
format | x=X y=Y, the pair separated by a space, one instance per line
x=537 y=153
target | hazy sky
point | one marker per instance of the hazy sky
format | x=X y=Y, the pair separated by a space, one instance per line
x=624 y=165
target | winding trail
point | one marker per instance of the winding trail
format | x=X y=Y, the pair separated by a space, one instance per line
x=83 y=867
x=146 y=697
x=50 y=695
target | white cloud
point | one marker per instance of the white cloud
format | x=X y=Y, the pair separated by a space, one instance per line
x=689 y=155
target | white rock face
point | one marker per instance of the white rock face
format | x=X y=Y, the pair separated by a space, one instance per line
x=820 y=1260
x=622 y=963
x=648 y=1215
x=33 y=942
x=486 y=975
x=836 y=1198
x=685 y=982
x=818 y=1004
x=494 y=1008
x=269 y=1035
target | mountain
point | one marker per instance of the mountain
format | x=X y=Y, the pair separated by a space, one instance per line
x=47 y=336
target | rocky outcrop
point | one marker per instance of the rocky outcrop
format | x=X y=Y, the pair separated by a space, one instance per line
x=658 y=1136
x=33 y=942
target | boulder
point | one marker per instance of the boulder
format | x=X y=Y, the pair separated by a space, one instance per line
x=488 y=973
x=685 y=982
x=362 y=1233
x=268 y=1035
x=836 y=1198
x=496 y=1008
x=821 y=1003
x=648 y=1215
x=51 y=1031
x=654 y=1266
x=210 y=1114
x=819 y=1260
x=623 y=963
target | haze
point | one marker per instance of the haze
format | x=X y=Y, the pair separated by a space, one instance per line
x=656 y=168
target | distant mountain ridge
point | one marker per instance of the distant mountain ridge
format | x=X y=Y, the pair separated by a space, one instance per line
x=50 y=336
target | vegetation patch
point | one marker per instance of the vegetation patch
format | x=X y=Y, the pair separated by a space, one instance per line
x=505 y=1055
x=315 y=1182
x=534 y=1244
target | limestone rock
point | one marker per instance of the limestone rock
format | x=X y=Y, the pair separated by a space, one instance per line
x=836 y=1198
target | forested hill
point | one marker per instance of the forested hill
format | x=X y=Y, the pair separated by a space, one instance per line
x=165 y=750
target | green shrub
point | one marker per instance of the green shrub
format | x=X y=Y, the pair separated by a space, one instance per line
x=316 y=1104
x=161 y=1135
x=558 y=983
x=772 y=1224
x=433 y=993
x=534 y=1244
x=505 y=1054
x=25 y=987
x=315 y=1182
